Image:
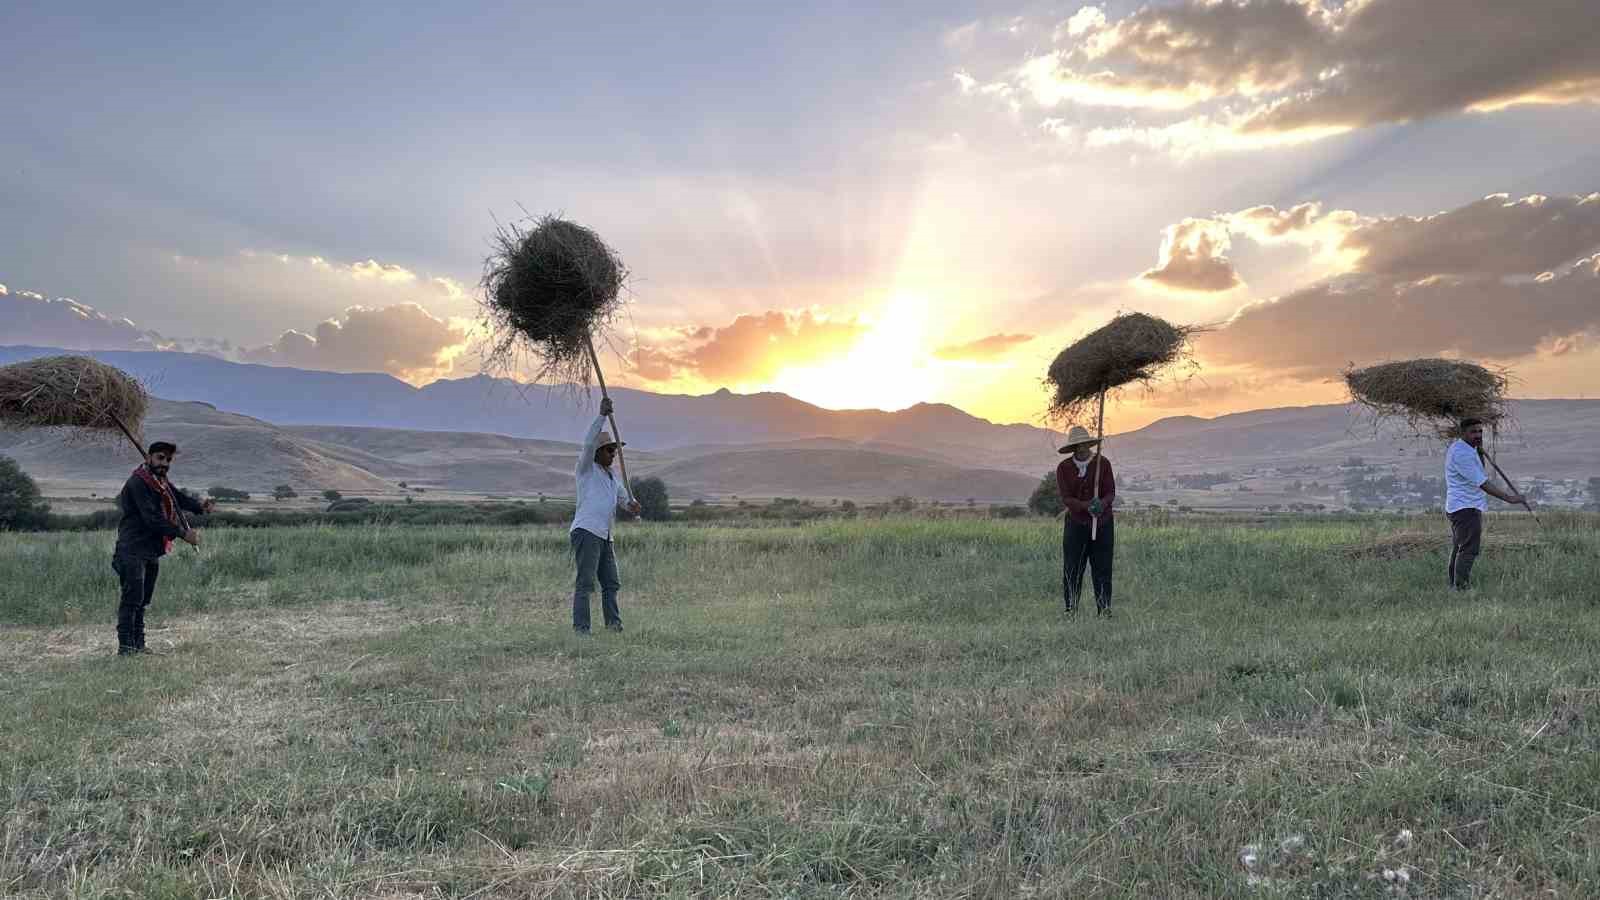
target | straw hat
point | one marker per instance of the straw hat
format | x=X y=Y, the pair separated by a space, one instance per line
x=606 y=441
x=1077 y=435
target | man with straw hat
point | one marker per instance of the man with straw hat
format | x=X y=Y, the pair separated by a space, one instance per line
x=599 y=495
x=152 y=518
x=1090 y=537
x=1466 y=485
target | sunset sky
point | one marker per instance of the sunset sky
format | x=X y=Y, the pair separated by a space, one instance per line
x=861 y=207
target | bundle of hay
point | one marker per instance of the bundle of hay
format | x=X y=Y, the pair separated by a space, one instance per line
x=1131 y=347
x=71 y=392
x=1432 y=393
x=546 y=291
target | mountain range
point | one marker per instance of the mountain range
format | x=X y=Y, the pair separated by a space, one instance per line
x=254 y=426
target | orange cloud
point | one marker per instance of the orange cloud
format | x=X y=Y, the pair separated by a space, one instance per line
x=752 y=349
x=991 y=347
x=1194 y=258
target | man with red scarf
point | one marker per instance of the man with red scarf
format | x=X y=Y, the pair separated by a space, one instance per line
x=152 y=518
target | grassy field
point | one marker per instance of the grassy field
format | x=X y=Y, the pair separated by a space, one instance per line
x=863 y=709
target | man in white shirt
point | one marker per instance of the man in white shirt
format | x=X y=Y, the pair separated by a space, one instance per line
x=599 y=495
x=1466 y=485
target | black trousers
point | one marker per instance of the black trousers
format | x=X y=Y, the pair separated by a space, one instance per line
x=1466 y=536
x=1079 y=551
x=138 y=577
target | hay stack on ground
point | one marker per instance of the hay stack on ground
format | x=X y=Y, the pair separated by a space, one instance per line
x=1131 y=347
x=1433 y=393
x=547 y=291
x=72 y=392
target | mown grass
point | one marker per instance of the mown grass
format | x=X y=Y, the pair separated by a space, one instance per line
x=885 y=709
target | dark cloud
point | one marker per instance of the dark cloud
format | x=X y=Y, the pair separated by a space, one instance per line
x=1498 y=279
x=1253 y=72
x=995 y=345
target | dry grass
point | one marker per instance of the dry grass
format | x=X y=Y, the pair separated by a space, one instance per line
x=1431 y=393
x=867 y=713
x=1133 y=347
x=71 y=392
x=548 y=290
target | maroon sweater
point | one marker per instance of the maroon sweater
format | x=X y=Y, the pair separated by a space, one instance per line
x=1076 y=491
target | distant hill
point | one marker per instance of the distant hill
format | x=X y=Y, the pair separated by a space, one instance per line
x=215 y=447
x=288 y=396
x=246 y=453
x=366 y=433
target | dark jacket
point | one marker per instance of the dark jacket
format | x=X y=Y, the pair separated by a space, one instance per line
x=143 y=531
x=1076 y=491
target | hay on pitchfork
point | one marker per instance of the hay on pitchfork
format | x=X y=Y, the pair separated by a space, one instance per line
x=1435 y=394
x=547 y=291
x=70 y=392
x=1133 y=347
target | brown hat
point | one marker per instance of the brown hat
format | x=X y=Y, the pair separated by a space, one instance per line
x=1077 y=435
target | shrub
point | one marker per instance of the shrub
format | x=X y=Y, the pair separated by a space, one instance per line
x=653 y=500
x=223 y=494
x=1046 y=498
x=21 y=506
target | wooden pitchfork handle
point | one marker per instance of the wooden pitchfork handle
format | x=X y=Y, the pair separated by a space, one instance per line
x=616 y=434
x=1507 y=479
x=1100 y=434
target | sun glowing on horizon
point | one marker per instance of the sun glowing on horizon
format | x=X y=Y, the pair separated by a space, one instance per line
x=887 y=368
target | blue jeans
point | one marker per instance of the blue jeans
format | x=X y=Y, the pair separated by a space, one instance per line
x=595 y=557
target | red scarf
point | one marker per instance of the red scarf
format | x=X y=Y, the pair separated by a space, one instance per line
x=169 y=505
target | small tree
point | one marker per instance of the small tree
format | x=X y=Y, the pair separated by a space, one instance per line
x=332 y=496
x=21 y=507
x=227 y=494
x=283 y=492
x=653 y=501
x=1046 y=498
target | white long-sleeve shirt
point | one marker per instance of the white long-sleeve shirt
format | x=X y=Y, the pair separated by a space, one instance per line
x=599 y=492
x=1464 y=478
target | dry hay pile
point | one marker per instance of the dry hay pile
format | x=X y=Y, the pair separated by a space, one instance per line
x=1432 y=393
x=1405 y=545
x=1131 y=347
x=546 y=290
x=70 y=392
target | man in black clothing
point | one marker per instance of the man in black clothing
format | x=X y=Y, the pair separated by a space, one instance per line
x=152 y=518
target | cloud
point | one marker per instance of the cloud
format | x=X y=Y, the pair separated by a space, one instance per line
x=991 y=347
x=752 y=349
x=403 y=340
x=1261 y=73
x=1497 y=279
x=27 y=317
x=1194 y=258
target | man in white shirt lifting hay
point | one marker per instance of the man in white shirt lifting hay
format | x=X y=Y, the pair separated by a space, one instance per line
x=600 y=493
